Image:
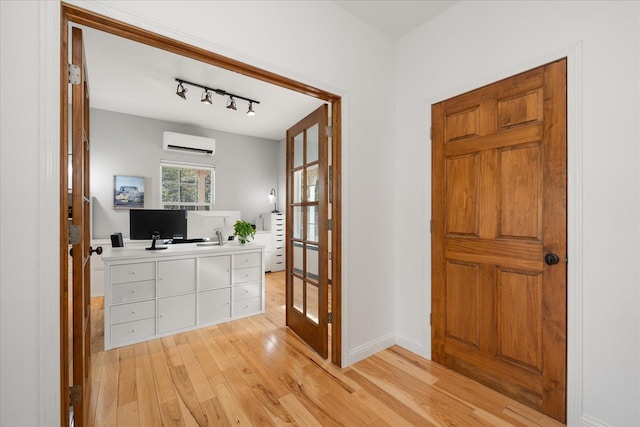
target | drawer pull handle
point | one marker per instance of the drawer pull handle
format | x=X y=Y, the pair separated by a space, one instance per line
x=133 y=312
x=246 y=291
x=133 y=273
x=133 y=331
x=133 y=291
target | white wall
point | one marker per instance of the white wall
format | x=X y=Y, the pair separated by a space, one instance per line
x=315 y=42
x=246 y=168
x=473 y=41
x=29 y=170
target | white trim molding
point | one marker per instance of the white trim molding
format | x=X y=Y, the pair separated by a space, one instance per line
x=49 y=201
x=369 y=349
x=591 y=422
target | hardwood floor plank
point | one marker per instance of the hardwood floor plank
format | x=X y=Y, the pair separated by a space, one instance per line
x=197 y=377
x=246 y=399
x=127 y=392
x=107 y=401
x=166 y=391
x=402 y=411
x=170 y=413
x=214 y=413
x=299 y=413
x=187 y=394
x=148 y=409
x=232 y=409
x=128 y=414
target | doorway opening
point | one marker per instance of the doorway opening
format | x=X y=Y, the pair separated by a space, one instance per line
x=75 y=15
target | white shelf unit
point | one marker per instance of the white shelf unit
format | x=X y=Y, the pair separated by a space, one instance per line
x=151 y=294
x=275 y=222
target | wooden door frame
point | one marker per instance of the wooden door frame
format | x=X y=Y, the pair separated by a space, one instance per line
x=73 y=14
x=573 y=54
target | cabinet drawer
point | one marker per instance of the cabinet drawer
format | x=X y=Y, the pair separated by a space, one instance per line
x=247 y=260
x=133 y=272
x=247 y=291
x=135 y=311
x=247 y=306
x=135 y=291
x=176 y=312
x=214 y=272
x=214 y=305
x=176 y=276
x=245 y=275
x=131 y=331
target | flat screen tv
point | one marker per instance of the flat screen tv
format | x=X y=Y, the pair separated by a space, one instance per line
x=154 y=224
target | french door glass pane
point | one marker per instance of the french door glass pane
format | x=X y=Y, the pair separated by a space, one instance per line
x=312 y=223
x=312 y=262
x=297 y=186
x=298 y=258
x=298 y=296
x=297 y=222
x=312 y=302
x=298 y=149
x=312 y=183
x=312 y=144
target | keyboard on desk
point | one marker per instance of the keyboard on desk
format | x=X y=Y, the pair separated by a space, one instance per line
x=197 y=240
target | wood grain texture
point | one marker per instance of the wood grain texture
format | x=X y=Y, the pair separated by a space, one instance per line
x=256 y=372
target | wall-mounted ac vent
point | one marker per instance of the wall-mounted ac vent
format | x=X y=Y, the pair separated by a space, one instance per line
x=181 y=142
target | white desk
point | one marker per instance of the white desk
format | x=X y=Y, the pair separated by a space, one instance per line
x=151 y=294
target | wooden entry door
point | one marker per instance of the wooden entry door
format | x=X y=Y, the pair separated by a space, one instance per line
x=499 y=236
x=307 y=223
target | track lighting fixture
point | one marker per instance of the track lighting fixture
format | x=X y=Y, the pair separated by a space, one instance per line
x=231 y=104
x=181 y=91
x=250 y=112
x=207 y=95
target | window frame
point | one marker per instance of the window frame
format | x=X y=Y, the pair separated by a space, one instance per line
x=187 y=165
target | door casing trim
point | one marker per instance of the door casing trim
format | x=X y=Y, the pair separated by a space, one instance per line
x=575 y=238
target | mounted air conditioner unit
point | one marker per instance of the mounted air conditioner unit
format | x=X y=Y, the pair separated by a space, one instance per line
x=172 y=141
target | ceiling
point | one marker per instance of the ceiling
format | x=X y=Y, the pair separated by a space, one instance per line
x=132 y=78
x=396 y=17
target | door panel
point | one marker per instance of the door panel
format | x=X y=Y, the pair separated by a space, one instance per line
x=79 y=306
x=499 y=205
x=307 y=234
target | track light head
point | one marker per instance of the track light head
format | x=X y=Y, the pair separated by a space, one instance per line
x=181 y=91
x=206 y=97
x=231 y=104
x=250 y=111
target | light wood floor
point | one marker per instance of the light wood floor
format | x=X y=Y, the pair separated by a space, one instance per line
x=255 y=372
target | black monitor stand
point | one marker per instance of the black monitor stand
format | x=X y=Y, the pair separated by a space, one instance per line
x=153 y=246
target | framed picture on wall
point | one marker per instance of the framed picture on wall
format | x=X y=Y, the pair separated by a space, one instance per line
x=128 y=192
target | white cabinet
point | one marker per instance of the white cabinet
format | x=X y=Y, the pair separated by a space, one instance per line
x=176 y=277
x=176 y=313
x=275 y=222
x=247 y=289
x=263 y=237
x=149 y=295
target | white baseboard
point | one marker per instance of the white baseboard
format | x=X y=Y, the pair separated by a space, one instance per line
x=591 y=422
x=413 y=346
x=369 y=349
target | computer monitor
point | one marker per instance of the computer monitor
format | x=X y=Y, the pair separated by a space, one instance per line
x=146 y=224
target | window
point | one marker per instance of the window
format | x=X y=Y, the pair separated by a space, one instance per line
x=186 y=186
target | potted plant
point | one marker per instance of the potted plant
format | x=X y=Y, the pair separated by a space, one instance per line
x=244 y=231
